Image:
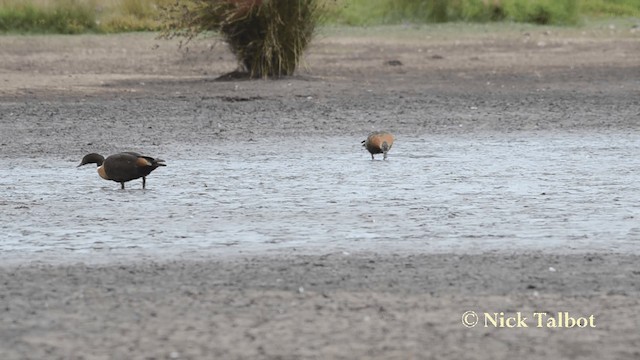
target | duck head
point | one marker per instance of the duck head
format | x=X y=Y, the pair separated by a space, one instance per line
x=92 y=158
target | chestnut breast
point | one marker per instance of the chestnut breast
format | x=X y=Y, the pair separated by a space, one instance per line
x=375 y=142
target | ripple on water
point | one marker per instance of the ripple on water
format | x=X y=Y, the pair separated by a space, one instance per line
x=561 y=191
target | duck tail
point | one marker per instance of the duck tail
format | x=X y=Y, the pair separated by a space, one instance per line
x=144 y=161
x=158 y=162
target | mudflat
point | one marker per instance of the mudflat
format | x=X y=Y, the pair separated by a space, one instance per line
x=322 y=285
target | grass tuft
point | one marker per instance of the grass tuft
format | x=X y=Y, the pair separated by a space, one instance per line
x=267 y=37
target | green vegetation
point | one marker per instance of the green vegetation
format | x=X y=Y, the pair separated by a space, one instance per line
x=65 y=16
x=563 y=12
x=80 y=16
x=77 y=16
x=132 y=15
x=610 y=8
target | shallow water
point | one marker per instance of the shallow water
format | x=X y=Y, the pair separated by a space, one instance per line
x=555 y=192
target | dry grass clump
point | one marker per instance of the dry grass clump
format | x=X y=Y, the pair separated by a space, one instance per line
x=268 y=37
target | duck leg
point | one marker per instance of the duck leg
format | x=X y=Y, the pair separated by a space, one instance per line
x=144 y=181
x=122 y=186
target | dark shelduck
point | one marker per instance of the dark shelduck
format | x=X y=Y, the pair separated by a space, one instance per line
x=123 y=167
x=379 y=142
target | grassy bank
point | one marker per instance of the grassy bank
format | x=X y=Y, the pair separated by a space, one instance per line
x=78 y=16
x=544 y=12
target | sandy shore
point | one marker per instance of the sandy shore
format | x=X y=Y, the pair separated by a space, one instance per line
x=296 y=305
x=378 y=306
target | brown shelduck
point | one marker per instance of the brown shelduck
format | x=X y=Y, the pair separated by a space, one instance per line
x=378 y=142
x=123 y=167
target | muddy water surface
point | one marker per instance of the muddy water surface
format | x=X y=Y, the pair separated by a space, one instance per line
x=557 y=192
